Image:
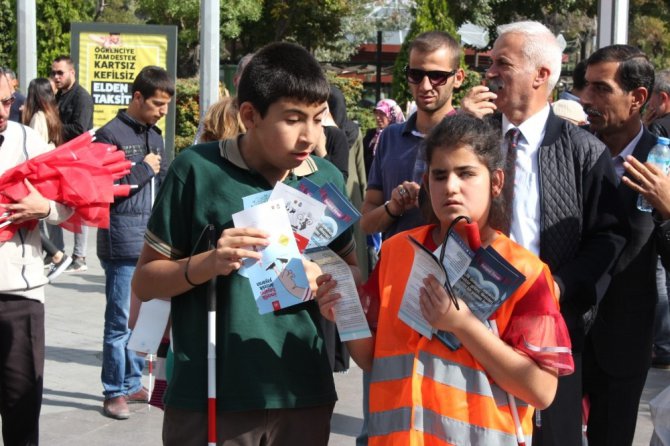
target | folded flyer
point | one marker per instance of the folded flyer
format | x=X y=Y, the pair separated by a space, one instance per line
x=304 y=212
x=278 y=280
x=339 y=215
x=349 y=315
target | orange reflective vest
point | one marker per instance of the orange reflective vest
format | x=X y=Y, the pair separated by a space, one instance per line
x=421 y=392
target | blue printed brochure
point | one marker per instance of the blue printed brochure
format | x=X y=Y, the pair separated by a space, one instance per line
x=278 y=280
x=483 y=280
x=339 y=215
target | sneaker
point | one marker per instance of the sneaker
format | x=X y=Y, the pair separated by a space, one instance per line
x=48 y=262
x=57 y=268
x=78 y=265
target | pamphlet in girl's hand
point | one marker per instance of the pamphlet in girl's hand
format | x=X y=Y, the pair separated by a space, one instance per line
x=482 y=283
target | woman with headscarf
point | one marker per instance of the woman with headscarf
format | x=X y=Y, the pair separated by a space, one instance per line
x=387 y=112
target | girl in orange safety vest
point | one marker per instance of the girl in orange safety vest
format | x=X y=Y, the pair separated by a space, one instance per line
x=421 y=392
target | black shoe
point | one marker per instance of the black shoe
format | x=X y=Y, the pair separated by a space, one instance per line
x=57 y=268
x=660 y=363
x=78 y=265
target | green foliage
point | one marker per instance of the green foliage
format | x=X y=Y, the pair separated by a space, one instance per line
x=651 y=35
x=352 y=89
x=119 y=11
x=431 y=15
x=8 y=34
x=185 y=14
x=188 y=112
x=53 y=28
x=311 y=23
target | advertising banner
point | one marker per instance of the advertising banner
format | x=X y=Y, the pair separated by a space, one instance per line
x=108 y=57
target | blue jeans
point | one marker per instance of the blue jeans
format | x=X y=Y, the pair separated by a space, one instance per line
x=662 y=318
x=121 y=368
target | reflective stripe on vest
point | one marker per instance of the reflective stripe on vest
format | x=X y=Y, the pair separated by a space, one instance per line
x=458 y=432
x=442 y=371
x=444 y=428
x=392 y=367
x=461 y=377
x=387 y=422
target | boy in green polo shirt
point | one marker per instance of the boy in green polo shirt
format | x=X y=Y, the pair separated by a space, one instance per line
x=275 y=385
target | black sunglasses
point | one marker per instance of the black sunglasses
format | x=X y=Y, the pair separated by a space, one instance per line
x=435 y=77
x=57 y=73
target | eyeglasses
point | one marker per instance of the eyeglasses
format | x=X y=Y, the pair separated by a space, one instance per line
x=436 y=77
x=7 y=102
x=57 y=72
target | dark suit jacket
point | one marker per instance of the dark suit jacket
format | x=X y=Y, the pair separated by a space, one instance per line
x=622 y=331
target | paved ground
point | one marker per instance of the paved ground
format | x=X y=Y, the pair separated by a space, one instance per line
x=72 y=409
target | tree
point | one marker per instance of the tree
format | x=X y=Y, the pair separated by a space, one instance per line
x=311 y=23
x=186 y=15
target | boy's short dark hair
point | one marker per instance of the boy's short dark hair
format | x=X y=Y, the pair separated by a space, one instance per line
x=152 y=78
x=282 y=70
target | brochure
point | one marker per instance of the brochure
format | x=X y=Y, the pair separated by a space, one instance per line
x=339 y=215
x=483 y=283
x=349 y=316
x=304 y=212
x=150 y=326
x=278 y=280
x=487 y=283
x=456 y=260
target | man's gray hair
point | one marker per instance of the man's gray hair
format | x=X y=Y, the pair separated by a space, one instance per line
x=662 y=82
x=540 y=48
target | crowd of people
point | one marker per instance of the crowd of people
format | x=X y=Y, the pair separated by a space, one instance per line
x=550 y=186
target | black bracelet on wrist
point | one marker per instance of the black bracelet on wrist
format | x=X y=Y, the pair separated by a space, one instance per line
x=388 y=211
x=186 y=274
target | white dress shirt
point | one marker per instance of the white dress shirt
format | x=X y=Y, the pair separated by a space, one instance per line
x=525 y=226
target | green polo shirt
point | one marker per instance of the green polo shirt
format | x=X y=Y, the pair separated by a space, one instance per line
x=270 y=361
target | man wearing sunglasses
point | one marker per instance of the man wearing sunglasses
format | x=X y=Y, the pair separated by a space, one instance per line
x=76 y=113
x=391 y=201
x=22 y=282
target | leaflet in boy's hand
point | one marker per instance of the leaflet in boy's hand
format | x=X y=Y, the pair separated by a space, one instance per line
x=278 y=280
x=349 y=315
x=304 y=212
x=339 y=215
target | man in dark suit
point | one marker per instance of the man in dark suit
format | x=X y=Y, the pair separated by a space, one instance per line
x=617 y=353
x=564 y=204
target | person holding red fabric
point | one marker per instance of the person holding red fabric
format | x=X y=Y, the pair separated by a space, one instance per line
x=22 y=282
x=423 y=393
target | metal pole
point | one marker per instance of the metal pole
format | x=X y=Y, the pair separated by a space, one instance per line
x=210 y=11
x=378 y=93
x=612 y=22
x=27 y=36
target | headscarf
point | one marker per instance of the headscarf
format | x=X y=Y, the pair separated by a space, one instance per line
x=393 y=112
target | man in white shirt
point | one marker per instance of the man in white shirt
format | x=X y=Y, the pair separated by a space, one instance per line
x=564 y=202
